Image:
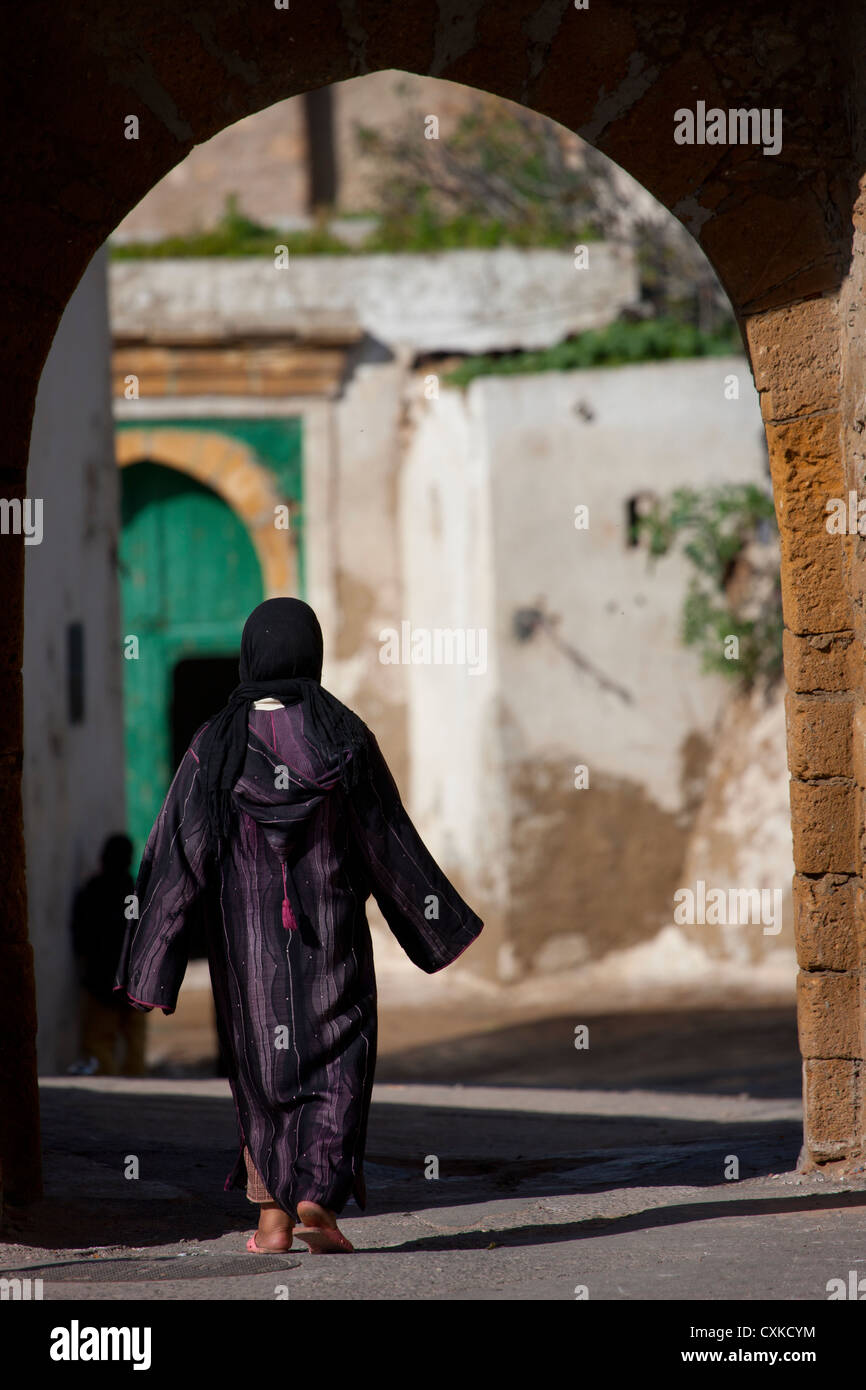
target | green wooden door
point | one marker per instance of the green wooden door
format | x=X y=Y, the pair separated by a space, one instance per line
x=189 y=579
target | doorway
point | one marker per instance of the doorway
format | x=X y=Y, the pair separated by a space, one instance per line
x=190 y=577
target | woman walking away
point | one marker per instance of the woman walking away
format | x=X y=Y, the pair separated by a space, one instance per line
x=280 y=822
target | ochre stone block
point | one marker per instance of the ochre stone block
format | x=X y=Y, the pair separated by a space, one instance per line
x=268 y=370
x=823 y=817
x=824 y=661
x=858 y=745
x=806 y=465
x=860 y=919
x=813 y=596
x=819 y=735
x=795 y=358
x=825 y=922
x=828 y=1014
x=831 y=1091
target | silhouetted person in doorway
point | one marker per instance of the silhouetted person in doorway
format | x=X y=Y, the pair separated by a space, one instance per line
x=108 y=1022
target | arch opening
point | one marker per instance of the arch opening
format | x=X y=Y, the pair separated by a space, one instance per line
x=786 y=294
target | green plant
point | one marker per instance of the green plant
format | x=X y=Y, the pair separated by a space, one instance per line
x=235 y=234
x=503 y=175
x=617 y=344
x=735 y=591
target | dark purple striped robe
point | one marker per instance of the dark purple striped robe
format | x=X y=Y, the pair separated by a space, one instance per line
x=296 y=1005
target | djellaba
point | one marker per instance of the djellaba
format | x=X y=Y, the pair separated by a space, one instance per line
x=281 y=821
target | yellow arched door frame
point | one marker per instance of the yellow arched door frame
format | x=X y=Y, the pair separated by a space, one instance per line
x=230 y=469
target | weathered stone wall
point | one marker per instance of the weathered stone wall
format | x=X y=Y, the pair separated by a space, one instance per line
x=797 y=361
x=450 y=301
x=490 y=483
x=264 y=159
x=741 y=841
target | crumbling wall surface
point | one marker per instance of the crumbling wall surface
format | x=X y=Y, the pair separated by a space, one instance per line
x=741 y=843
x=606 y=720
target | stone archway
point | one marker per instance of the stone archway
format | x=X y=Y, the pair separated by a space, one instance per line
x=784 y=232
x=230 y=468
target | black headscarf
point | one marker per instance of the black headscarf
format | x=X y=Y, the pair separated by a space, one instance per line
x=281 y=655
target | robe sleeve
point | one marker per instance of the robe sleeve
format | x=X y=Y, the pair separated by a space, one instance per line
x=423 y=909
x=170 y=882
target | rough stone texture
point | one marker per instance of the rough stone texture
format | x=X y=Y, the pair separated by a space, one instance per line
x=824 y=661
x=273 y=187
x=795 y=358
x=797 y=365
x=825 y=923
x=564 y=862
x=241 y=371
x=825 y=839
x=819 y=736
x=806 y=468
x=831 y=1092
x=858 y=746
x=741 y=833
x=445 y=301
x=828 y=1015
x=860 y=916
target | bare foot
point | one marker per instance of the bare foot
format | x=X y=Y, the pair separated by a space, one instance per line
x=257 y=1246
x=319 y=1230
x=274 y=1234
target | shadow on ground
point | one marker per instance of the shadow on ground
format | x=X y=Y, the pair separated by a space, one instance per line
x=186 y=1143
x=680 y=1214
x=706 y=1052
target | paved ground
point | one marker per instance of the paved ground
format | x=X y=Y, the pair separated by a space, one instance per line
x=557 y=1168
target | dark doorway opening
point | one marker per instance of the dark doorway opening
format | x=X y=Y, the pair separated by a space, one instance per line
x=200 y=687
